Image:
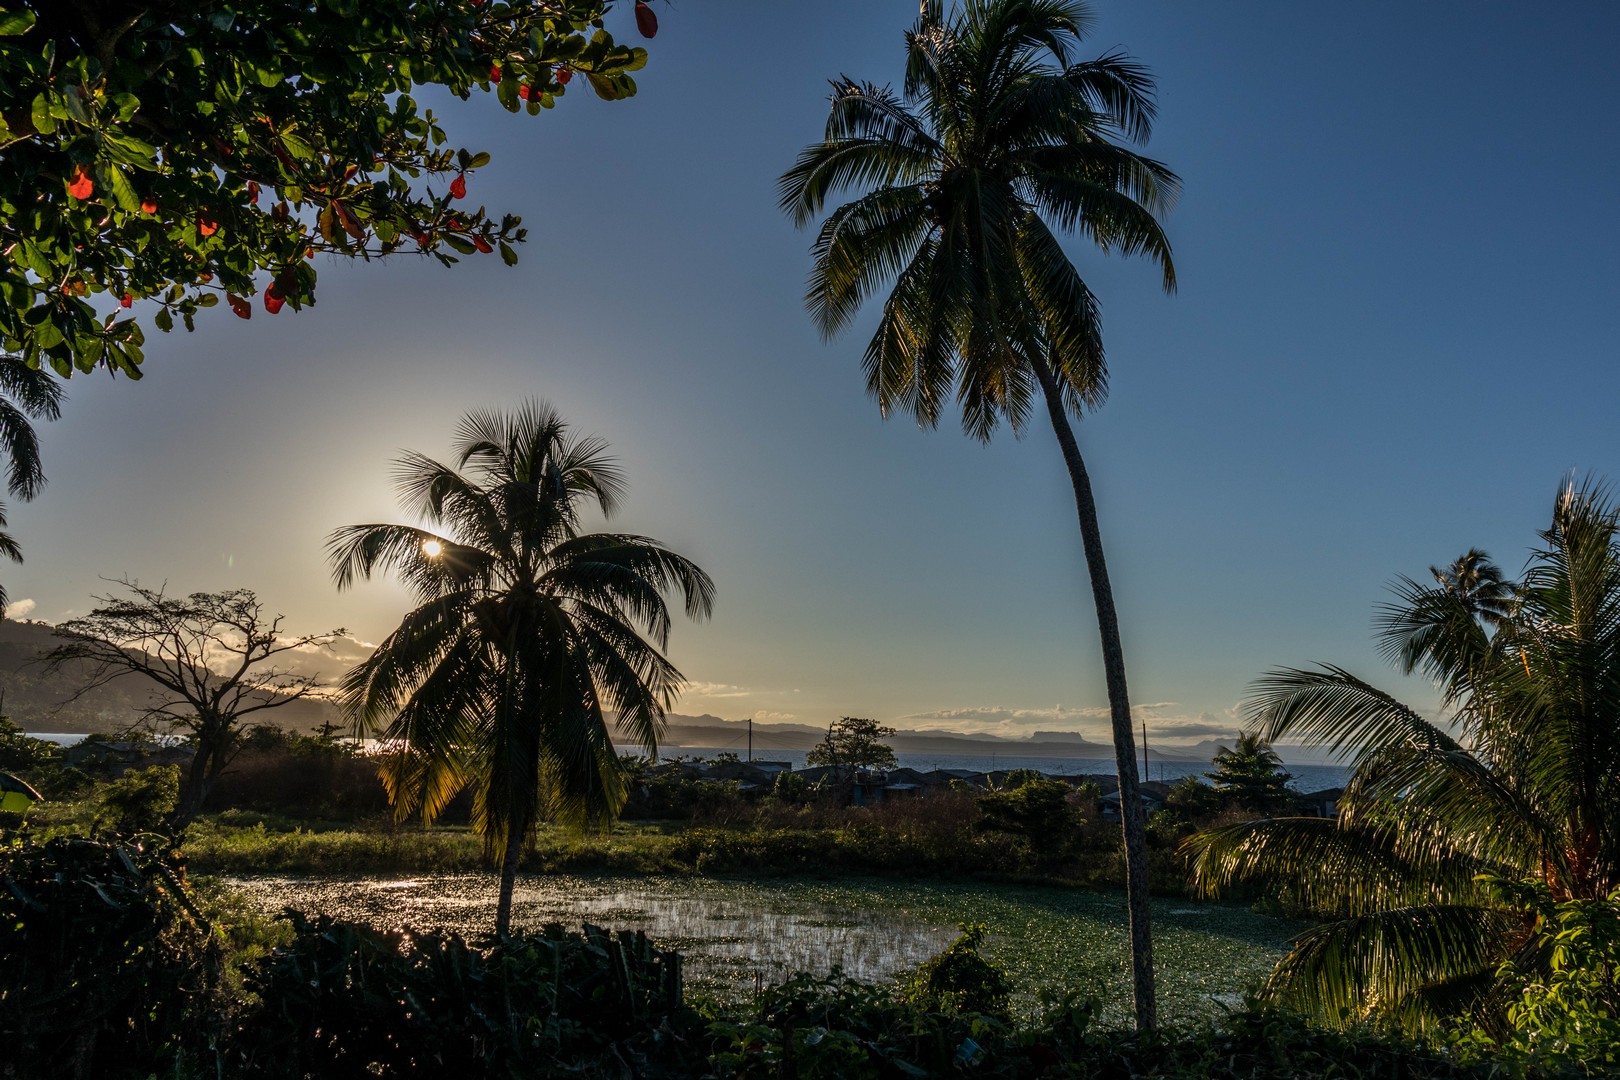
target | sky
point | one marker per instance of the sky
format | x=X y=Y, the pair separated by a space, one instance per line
x=1394 y=335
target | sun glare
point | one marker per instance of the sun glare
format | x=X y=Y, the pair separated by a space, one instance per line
x=432 y=548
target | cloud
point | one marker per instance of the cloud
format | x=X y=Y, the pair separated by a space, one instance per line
x=771 y=716
x=20 y=608
x=716 y=690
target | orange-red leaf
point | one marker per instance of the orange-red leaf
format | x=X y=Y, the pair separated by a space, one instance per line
x=646 y=20
x=81 y=187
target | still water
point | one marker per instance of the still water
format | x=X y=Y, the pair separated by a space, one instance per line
x=737 y=935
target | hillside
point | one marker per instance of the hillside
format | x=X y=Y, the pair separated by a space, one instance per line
x=40 y=701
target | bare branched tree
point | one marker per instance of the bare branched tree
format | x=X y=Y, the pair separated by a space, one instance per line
x=212 y=657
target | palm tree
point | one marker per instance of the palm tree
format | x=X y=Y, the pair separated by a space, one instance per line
x=1421 y=878
x=1251 y=774
x=25 y=393
x=999 y=136
x=529 y=632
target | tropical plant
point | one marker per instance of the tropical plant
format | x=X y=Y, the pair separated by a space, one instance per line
x=528 y=634
x=999 y=136
x=1518 y=782
x=25 y=394
x=1251 y=775
x=189 y=153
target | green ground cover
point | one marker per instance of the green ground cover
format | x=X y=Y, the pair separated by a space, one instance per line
x=738 y=934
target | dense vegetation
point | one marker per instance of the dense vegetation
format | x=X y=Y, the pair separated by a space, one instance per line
x=183 y=154
x=116 y=971
x=1470 y=855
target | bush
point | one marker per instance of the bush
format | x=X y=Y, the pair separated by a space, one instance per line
x=959 y=980
x=346 y=1000
x=108 y=969
x=20 y=752
x=140 y=801
x=284 y=773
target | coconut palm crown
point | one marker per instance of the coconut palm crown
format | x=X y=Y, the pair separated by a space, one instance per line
x=1447 y=826
x=25 y=393
x=999 y=139
x=528 y=632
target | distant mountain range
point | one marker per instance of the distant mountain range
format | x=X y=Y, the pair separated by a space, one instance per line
x=43 y=702
x=40 y=701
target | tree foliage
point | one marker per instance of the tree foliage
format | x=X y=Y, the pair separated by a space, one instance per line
x=527 y=637
x=854 y=742
x=1520 y=782
x=211 y=659
x=1251 y=775
x=188 y=153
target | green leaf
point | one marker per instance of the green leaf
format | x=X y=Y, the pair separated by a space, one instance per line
x=477 y=161
x=123 y=191
x=508 y=256
x=461 y=244
x=44 y=123
x=13 y=23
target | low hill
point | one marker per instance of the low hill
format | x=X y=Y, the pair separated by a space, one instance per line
x=37 y=700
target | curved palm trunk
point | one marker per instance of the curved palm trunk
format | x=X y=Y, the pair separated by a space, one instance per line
x=1132 y=819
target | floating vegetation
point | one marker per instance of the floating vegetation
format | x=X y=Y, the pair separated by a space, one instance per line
x=738 y=935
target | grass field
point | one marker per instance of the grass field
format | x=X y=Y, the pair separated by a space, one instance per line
x=737 y=933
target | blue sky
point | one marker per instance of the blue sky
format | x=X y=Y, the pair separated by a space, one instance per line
x=1395 y=333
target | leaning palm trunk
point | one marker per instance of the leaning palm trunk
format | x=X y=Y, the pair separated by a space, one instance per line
x=1133 y=821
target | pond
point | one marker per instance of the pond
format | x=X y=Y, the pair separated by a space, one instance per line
x=739 y=934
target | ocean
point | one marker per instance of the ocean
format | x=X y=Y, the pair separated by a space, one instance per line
x=1306 y=777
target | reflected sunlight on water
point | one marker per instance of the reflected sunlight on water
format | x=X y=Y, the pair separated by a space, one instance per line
x=730 y=937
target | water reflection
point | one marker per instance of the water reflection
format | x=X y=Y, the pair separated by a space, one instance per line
x=733 y=938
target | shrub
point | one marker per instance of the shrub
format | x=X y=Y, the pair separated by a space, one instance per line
x=109 y=970
x=347 y=1000
x=140 y=801
x=959 y=980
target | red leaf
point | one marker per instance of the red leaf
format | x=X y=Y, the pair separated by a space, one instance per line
x=523 y=92
x=565 y=75
x=253 y=190
x=82 y=186
x=646 y=21
x=458 y=186
x=494 y=73
x=207 y=226
x=350 y=223
x=272 y=302
x=242 y=308
x=126 y=300
x=482 y=245
x=148 y=206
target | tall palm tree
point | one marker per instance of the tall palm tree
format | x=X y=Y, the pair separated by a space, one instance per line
x=1443 y=823
x=999 y=136
x=25 y=393
x=528 y=633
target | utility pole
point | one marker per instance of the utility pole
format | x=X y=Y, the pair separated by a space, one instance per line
x=750 y=740
x=1144 y=752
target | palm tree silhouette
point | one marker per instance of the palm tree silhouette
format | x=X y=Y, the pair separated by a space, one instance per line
x=527 y=634
x=26 y=394
x=999 y=130
x=1420 y=880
